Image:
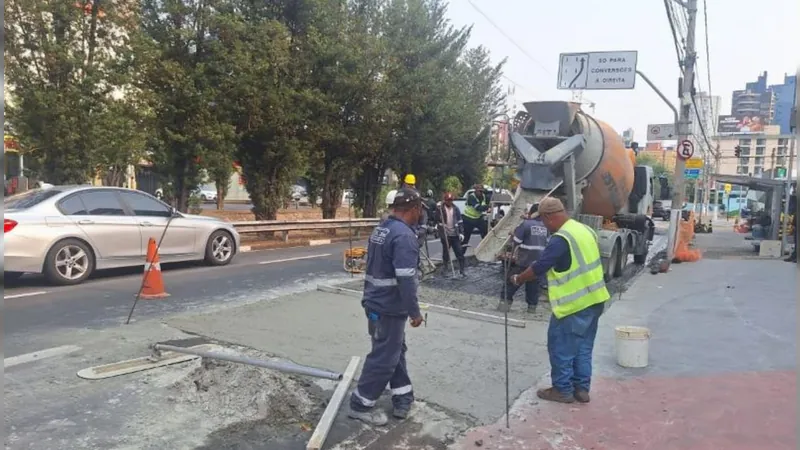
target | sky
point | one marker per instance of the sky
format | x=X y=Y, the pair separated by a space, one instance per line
x=745 y=39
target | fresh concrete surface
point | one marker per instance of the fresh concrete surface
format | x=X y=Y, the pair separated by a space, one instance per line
x=454 y=362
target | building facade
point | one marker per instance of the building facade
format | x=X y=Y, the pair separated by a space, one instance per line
x=760 y=154
x=784 y=102
x=708 y=110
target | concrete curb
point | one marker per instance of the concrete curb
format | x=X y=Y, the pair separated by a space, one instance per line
x=272 y=245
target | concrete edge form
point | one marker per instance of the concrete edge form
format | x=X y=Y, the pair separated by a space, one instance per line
x=139 y=364
x=467 y=314
x=326 y=421
x=338 y=290
x=463 y=313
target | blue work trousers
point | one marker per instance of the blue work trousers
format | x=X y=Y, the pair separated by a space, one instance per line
x=531 y=288
x=570 y=341
x=385 y=364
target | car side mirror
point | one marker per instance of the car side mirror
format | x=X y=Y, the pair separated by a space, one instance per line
x=174 y=212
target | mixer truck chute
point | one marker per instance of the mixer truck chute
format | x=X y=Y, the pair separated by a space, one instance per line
x=565 y=153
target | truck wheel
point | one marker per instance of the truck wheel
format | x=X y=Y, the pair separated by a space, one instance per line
x=622 y=261
x=611 y=263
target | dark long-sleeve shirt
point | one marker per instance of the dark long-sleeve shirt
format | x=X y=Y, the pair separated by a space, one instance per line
x=555 y=256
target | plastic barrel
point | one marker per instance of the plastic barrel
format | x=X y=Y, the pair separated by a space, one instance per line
x=633 y=346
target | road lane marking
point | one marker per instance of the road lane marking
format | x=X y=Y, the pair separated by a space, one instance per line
x=274 y=261
x=24 y=294
x=41 y=354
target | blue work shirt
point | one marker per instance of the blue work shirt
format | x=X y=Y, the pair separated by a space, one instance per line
x=390 y=284
x=531 y=238
x=555 y=256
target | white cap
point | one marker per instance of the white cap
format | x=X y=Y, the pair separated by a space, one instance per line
x=390 y=197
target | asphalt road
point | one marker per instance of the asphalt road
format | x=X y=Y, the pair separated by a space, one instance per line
x=33 y=308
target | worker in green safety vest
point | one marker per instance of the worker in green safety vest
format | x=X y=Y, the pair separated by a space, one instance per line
x=577 y=291
x=474 y=215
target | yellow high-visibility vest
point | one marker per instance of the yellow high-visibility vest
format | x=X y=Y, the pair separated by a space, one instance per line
x=582 y=285
x=470 y=211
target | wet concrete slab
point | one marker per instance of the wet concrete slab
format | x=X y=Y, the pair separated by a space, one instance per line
x=456 y=363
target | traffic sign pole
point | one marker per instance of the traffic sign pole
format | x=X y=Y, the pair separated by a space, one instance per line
x=679 y=193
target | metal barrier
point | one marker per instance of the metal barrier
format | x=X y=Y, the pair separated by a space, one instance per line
x=285 y=226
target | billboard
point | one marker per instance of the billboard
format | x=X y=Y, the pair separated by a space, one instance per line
x=741 y=124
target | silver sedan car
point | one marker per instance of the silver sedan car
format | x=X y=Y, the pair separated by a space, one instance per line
x=67 y=232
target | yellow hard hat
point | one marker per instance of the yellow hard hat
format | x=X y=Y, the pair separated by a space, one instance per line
x=410 y=179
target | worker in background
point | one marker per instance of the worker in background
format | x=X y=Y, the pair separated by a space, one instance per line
x=529 y=240
x=571 y=262
x=475 y=214
x=410 y=181
x=451 y=231
x=390 y=299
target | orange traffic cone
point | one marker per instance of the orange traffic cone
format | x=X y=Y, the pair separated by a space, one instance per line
x=153 y=284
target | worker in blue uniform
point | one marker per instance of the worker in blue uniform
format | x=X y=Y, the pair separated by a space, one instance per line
x=529 y=240
x=389 y=301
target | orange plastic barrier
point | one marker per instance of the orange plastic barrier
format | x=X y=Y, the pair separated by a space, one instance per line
x=685 y=235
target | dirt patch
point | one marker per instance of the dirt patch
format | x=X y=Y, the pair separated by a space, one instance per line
x=239 y=392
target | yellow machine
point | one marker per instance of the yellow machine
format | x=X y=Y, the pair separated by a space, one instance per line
x=355 y=260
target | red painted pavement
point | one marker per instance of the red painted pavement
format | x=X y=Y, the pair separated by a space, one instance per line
x=732 y=411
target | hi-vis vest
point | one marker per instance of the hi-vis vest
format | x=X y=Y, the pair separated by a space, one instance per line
x=582 y=285
x=470 y=211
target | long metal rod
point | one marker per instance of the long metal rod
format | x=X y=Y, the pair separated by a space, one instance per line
x=279 y=366
x=787 y=199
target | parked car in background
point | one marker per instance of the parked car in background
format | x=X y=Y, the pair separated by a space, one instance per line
x=68 y=232
x=660 y=211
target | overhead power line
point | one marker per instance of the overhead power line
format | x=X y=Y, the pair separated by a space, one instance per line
x=714 y=116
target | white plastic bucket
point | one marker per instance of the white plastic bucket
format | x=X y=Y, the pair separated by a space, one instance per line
x=633 y=346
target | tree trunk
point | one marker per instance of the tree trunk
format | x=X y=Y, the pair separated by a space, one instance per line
x=331 y=194
x=369 y=186
x=222 y=181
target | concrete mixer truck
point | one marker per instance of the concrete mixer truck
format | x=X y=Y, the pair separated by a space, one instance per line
x=565 y=153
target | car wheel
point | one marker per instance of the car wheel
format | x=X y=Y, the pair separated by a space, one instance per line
x=9 y=277
x=68 y=262
x=220 y=248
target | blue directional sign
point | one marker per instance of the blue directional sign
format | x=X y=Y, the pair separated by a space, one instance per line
x=691 y=174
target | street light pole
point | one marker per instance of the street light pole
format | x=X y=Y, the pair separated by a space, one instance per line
x=686 y=104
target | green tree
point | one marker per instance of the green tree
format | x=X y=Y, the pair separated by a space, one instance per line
x=659 y=169
x=263 y=98
x=66 y=66
x=453 y=185
x=175 y=58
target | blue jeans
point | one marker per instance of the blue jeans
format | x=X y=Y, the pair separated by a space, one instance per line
x=570 y=341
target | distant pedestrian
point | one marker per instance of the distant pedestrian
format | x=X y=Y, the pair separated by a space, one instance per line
x=571 y=262
x=390 y=299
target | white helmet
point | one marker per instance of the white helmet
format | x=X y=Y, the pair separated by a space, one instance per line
x=390 y=197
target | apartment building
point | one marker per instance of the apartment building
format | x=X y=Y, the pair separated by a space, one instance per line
x=759 y=153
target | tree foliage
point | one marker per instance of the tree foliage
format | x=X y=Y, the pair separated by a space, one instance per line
x=338 y=92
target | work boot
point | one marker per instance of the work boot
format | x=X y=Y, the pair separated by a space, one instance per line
x=531 y=309
x=503 y=307
x=552 y=394
x=373 y=417
x=400 y=413
x=582 y=396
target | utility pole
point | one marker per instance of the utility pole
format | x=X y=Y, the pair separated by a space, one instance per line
x=685 y=101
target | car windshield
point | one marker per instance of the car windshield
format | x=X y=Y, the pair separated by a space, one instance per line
x=29 y=199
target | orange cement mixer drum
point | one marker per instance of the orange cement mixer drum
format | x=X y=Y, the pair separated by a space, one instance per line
x=611 y=182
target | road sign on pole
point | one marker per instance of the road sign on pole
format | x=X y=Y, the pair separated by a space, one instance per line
x=597 y=70
x=691 y=174
x=661 y=132
x=685 y=150
x=694 y=163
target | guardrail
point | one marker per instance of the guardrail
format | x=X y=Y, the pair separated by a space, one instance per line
x=285 y=226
